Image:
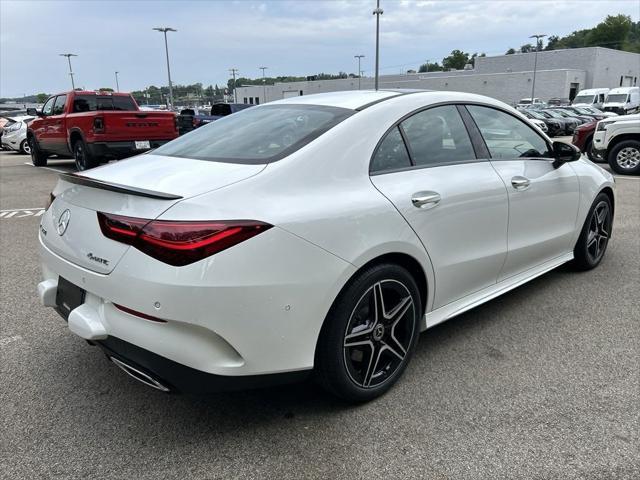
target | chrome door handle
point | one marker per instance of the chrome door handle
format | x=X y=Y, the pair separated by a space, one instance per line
x=425 y=199
x=520 y=183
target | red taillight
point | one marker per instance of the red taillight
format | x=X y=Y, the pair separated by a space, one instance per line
x=178 y=243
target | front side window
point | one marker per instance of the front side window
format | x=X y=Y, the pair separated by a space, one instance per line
x=437 y=136
x=391 y=154
x=58 y=108
x=256 y=135
x=506 y=136
x=617 y=98
x=48 y=106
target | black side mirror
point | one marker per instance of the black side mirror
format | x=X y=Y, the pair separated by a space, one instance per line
x=565 y=152
x=32 y=112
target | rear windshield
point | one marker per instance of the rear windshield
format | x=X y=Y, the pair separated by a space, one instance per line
x=256 y=135
x=93 y=103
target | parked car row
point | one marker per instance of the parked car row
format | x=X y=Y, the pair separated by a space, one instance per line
x=564 y=120
x=620 y=100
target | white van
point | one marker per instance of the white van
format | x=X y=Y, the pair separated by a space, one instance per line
x=591 y=97
x=623 y=100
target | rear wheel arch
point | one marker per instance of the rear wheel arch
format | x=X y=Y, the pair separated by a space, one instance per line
x=74 y=136
x=404 y=260
x=608 y=191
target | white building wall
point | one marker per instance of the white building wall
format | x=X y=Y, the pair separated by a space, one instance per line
x=506 y=77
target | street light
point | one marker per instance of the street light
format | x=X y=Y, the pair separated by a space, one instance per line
x=359 y=57
x=69 y=55
x=377 y=12
x=235 y=94
x=166 y=49
x=264 y=87
x=117 y=84
x=535 y=64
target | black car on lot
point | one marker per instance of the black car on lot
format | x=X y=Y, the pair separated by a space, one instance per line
x=568 y=124
x=554 y=127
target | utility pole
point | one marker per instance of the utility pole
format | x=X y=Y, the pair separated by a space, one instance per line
x=235 y=95
x=264 y=86
x=535 y=64
x=166 y=49
x=359 y=57
x=69 y=55
x=377 y=12
x=117 y=84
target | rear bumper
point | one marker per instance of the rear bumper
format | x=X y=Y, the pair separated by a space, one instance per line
x=176 y=377
x=120 y=149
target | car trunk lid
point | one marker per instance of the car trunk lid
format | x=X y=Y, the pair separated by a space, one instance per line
x=145 y=189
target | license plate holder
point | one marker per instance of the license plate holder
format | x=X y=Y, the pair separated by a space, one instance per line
x=143 y=144
x=68 y=297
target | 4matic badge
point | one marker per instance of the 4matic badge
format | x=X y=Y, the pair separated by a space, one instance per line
x=101 y=260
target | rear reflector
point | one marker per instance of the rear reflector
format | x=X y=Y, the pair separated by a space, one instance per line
x=139 y=314
x=178 y=243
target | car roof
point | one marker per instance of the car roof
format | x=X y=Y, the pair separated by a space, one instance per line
x=361 y=99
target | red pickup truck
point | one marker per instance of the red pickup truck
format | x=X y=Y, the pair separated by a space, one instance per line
x=93 y=127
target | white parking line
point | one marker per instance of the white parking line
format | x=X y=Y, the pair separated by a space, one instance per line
x=47 y=168
x=22 y=212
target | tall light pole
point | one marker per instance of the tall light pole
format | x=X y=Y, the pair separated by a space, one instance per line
x=117 y=84
x=264 y=86
x=535 y=64
x=377 y=12
x=235 y=94
x=69 y=55
x=166 y=49
x=359 y=57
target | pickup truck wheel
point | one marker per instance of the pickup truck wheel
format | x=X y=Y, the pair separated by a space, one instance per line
x=84 y=160
x=624 y=158
x=24 y=147
x=38 y=158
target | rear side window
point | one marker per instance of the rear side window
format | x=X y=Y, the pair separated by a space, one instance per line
x=256 y=135
x=93 y=103
x=58 y=107
x=221 y=109
x=437 y=136
x=391 y=154
x=506 y=136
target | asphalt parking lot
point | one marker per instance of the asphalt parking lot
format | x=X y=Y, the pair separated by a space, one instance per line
x=541 y=383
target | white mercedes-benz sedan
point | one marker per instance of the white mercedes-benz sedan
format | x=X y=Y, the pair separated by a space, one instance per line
x=317 y=234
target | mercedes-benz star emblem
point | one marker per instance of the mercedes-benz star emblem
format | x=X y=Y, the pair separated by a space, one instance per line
x=63 y=222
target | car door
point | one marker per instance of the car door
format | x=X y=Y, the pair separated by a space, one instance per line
x=56 y=129
x=455 y=202
x=543 y=196
x=41 y=127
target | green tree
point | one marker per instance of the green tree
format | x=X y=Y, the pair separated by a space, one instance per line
x=526 y=48
x=42 y=97
x=456 y=60
x=430 y=67
x=611 y=33
x=511 y=51
x=105 y=89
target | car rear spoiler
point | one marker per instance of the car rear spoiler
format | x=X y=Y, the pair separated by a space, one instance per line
x=116 y=187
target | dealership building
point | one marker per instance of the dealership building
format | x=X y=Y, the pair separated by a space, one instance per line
x=559 y=73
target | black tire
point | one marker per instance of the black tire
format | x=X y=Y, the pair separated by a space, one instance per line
x=624 y=157
x=83 y=158
x=38 y=157
x=24 y=147
x=348 y=371
x=588 y=149
x=594 y=237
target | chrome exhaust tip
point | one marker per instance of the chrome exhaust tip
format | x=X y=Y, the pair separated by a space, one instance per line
x=139 y=376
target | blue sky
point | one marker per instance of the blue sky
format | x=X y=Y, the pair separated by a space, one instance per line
x=300 y=37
